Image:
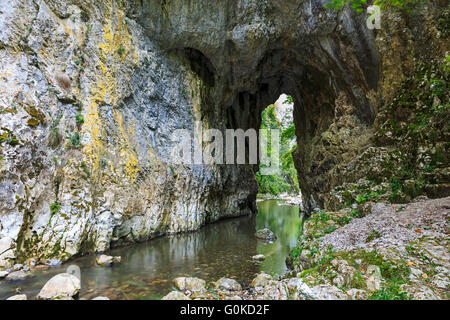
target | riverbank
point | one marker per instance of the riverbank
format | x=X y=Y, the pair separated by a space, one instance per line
x=373 y=251
x=378 y=251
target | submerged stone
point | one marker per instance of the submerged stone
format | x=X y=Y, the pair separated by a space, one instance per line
x=17 y=275
x=265 y=234
x=107 y=261
x=259 y=258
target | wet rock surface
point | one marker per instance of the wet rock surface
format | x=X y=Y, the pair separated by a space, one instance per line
x=265 y=234
x=17 y=275
x=106 y=261
x=259 y=258
x=61 y=286
x=18 y=297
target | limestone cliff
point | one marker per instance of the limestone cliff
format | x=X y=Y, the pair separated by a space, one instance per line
x=90 y=92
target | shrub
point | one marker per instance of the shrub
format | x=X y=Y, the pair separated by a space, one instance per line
x=55 y=207
x=80 y=119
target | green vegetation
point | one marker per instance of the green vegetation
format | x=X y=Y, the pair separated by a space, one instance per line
x=372 y=236
x=289 y=100
x=85 y=168
x=394 y=272
x=389 y=292
x=75 y=139
x=80 y=119
x=174 y=173
x=121 y=51
x=54 y=130
x=8 y=137
x=418 y=114
x=359 y=5
x=424 y=102
x=55 y=207
x=287 y=181
x=37 y=117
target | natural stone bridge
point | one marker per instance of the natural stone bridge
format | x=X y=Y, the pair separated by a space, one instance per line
x=95 y=88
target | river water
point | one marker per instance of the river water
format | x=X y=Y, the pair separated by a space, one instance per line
x=222 y=249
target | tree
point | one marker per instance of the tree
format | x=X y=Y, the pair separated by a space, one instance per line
x=287 y=181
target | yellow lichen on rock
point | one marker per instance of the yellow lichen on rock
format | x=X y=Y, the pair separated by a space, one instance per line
x=117 y=58
x=94 y=149
x=118 y=41
x=127 y=153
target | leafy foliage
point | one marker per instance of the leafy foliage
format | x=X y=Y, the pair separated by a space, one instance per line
x=389 y=292
x=80 y=119
x=55 y=207
x=359 y=5
x=287 y=181
x=75 y=139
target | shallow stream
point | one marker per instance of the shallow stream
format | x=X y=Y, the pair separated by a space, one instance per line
x=222 y=249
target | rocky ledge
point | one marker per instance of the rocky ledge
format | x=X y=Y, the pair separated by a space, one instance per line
x=377 y=250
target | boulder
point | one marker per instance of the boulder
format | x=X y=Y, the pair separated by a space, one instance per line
x=190 y=284
x=261 y=280
x=17 y=275
x=3 y=274
x=175 y=295
x=344 y=273
x=226 y=284
x=327 y=292
x=107 y=261
x=17 y=267
x=357 y=294
x=18 y=297
x=299 y=289
x=419 y=292
x=100 y=298
x=265 y=234
x=273 y=290
x=374 y=279
x=304 y=260
x=61 y=286
x=6 y=252
x=441 y=280
x=259 y=258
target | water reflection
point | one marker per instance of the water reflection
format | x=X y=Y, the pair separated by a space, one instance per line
x=284 y=221
x=221 y=249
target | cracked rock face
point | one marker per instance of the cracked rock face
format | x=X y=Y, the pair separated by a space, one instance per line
x=91 y=91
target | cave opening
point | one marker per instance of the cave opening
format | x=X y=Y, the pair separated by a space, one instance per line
x=313 y=93
x=279 y=116
x=320 y=85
